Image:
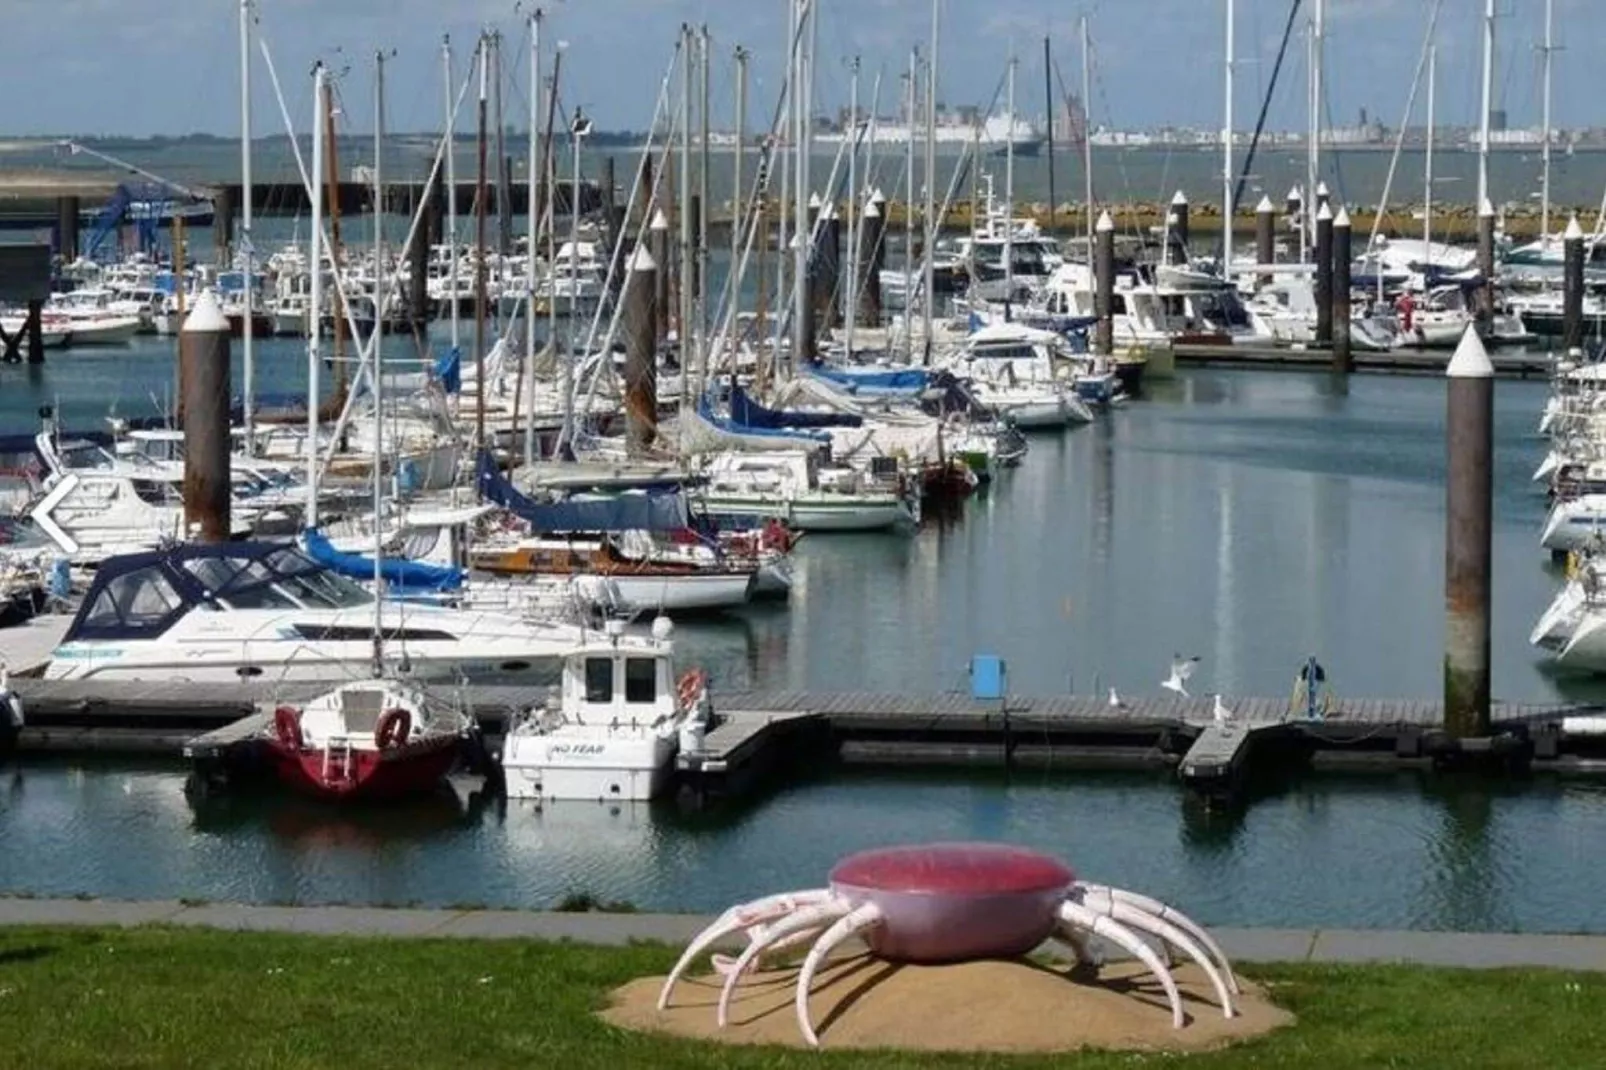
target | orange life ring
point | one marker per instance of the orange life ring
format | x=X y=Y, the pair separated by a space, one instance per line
x=395 y=726
x=287 y=727
x=690 y=686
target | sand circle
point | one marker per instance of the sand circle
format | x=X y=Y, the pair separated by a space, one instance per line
x=993 y=1005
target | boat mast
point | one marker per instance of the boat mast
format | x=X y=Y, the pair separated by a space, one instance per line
x=705 y=206
x=1488 y=102
x=738 y=207
x=315 y=312
x=779 y=162
x=1226 y=154
x=531 y=226
x=1009 y=195
x=683 y=338
x=483 y=59
x=1313 y=150
x=379 y=376
x=1544 y=124
x=248 y=340
x=1048 y=102
x=928 y=214
x=1087 y=134
x=451 y=189
x=579 y=126
x=850 y=283
x=909 y=213
x=803 y=233
x=1427 y=179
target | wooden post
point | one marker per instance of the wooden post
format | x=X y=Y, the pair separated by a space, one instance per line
x=1104 y=285
x=641 y=350
x=223 y=226
x=67 y=213
x=203 y=349
x=1180 y=227
x=658 y=244
x=1485 y=309
x=1468 y=542
x=1572 y=289
x=1343 y=361
x=1265 y=235
x=1324 y=275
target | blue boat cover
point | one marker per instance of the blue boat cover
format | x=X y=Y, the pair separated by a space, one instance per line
x=744 y=410
x=399 y=573
x=449 y=370
x=663 y=510
x=782 y=436
x=899 y=381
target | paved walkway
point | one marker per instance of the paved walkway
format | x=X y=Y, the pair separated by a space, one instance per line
x=1245 y=945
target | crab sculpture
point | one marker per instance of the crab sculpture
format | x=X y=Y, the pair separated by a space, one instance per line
x=954 y=902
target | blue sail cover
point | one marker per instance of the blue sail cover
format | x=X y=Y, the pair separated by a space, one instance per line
x=746 y=411
x=449 y=370
x=781 y=436
x=880 y=382
x=663 y=510
x=399 y=573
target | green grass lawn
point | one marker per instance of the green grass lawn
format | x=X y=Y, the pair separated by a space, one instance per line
x=173 y=998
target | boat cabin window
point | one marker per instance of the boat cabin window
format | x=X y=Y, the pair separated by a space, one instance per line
x=143 y=601
x=599 y=680
x=641 y=680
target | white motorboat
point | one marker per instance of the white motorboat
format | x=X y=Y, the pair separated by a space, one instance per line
x=619 y=718
x=264 y=610
x=603 y=573
x=1012 y=370
x=1575 y=523
x=96 y=317
x=793 y=486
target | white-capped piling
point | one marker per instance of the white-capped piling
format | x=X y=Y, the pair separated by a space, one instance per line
x=640 y=316
x=203 y=351
x=1104 y=284
x=1342 y=359
x=1468 y=538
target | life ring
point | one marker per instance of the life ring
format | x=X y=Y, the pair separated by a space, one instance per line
x=395 y=726
x=690 y=686
x=287 y=726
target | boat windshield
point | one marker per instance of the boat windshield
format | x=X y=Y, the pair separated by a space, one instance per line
x=284 y=580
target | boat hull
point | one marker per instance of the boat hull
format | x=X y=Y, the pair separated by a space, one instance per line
x=803 y=515
x=365 y=775
x=690 y=592
x=559 y=766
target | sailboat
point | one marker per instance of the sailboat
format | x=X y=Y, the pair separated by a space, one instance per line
x=376 y=738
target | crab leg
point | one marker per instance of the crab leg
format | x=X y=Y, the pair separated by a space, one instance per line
x=1076 y=916
x=1132 y=917
x=1175 y=917
x=745 y=916
x=861 y=917
x=808 y=920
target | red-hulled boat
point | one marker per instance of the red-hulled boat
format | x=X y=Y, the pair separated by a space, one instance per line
x=369 y=739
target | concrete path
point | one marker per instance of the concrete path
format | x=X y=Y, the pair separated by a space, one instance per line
x=1477 y=950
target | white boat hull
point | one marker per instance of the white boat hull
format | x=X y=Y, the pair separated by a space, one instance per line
x=1575 y=523
x=688 y=592
x=812 y=515
x=631 y=765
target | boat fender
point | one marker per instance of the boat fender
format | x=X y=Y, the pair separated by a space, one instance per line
x=690 y=686
x=395 y=726
x=287 y=726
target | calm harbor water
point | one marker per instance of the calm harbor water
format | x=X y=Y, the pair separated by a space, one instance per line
x=1251 y=518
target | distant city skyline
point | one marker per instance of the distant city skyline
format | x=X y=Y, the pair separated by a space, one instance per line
x=139 y=68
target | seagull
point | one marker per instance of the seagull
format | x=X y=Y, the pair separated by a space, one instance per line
x=1222 y=714
x=1115 y=700
x=1181 y=669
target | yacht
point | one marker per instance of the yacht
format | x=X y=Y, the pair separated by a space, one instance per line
x=613 y=729
x=793 y=486
x=1012 y=370
x=264 y=610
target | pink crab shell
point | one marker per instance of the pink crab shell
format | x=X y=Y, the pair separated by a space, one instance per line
x=949 y=902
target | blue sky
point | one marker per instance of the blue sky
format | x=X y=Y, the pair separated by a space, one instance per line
x=140 y=67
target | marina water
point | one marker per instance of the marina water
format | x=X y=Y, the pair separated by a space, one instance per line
x=1250 y=517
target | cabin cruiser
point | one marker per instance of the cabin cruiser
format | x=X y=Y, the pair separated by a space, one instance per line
x=1012 y=370
x=96 y=316
x=264 y=610
x=612 y=731
x=794 y=487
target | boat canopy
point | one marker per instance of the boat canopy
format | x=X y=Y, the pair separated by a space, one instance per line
x=746 y=411
x=140 y=596
x=649 y=510
x=400 y=575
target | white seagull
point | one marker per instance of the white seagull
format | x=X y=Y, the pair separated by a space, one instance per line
x=1181 y=669
x=1221 y=713
x=1115 y=700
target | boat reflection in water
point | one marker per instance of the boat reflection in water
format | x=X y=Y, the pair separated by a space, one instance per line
x=456 y=805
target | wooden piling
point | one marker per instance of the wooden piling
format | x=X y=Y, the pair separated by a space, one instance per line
x=1572 y=287
x=223 y=225
x=1265 y=235
x=67 y=216
x=641 y=313
x=204 y=352
x=1179 y=228
x=1104 y=285
x=34 y=327
x=1468 y=538
x=828 y=288
x=658 y=244
x=875 y=236
x=1324 y=275
x=1343 y=361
